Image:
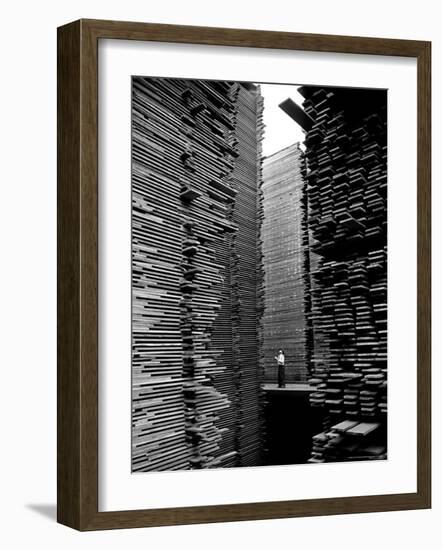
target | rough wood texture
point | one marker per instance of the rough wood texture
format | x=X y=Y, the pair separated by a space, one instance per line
x=180 y=153
x=284 y=246
x=77 y=313
x=246 y=274
x=346 y=156
x=196 y=381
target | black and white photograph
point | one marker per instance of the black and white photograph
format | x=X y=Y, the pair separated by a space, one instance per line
x=220 y=241
x=259 y=274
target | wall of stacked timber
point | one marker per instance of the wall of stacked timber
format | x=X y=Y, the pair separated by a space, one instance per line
x=238 y=319
x=195 y=175
x=346 y=155
x=231 y=262
x=284 y=238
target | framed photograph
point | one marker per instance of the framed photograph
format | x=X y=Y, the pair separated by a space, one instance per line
x=243 y=275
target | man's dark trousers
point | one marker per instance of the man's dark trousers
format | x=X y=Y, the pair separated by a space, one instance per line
x=281 y=376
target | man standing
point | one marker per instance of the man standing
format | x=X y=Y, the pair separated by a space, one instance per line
x=280 y=359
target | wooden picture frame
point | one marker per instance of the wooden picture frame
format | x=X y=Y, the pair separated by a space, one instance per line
x=78 y=274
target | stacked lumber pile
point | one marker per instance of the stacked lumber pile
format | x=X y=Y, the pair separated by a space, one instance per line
x=350 y=440
x=246 y=179
x=235 y=328
x=286 y=278
x=346 y=155
x=189 y=364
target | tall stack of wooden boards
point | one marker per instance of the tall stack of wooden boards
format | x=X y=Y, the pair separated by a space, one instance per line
x=246 y=275
x=346 y=157
x=284 y=244
x=195 y=178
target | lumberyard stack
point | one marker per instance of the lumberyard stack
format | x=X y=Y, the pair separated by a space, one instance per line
x=346 y=158
x=233 y=260
x=284 y=247
x=195 y=344
x=235 y=328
